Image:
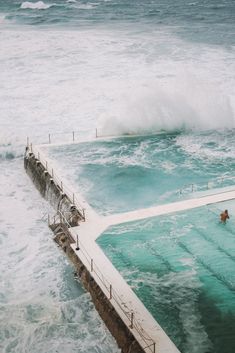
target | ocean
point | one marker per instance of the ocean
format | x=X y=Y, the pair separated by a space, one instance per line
x=123 y=67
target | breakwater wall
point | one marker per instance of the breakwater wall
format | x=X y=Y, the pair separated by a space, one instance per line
x=125 y=339
x=55 y=194
x=44 y=182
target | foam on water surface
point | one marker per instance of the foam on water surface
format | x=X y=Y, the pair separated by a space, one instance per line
x=42 y=307
x=125 y=174
x=39 y=5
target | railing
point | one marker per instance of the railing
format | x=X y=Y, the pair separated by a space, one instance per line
x=110 y=292
x=63 y=137
x=78 y=136
x=220 y=181
x=56 y=179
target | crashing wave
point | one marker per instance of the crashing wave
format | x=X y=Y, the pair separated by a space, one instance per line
x=39 y=5
x=179 y=106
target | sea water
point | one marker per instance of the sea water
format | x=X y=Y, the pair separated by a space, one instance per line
x=124 y=67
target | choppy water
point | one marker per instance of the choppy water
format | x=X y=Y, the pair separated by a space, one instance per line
x=124 y=67
x=129 y=173
x=197 y=20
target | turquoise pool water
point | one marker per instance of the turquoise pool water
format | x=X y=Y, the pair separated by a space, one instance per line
x=182 y=267
x=128 y=173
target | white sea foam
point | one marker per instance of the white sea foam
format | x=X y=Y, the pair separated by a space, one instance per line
x=187 y=261
x=39 y=297
x=180 y=103
x=181 y=291
x=130 y=95
x=88 y=6
x=39 y=5
x=196 y=144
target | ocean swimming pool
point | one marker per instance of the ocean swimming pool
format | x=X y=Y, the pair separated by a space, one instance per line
x=182 y=267
x=179 y=265
x=142 y=66
x=128 y=173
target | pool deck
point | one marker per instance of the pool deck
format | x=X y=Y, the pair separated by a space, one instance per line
x=95 y=224
x=171 y=207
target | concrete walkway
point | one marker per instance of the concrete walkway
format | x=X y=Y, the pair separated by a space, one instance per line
x=170 y=208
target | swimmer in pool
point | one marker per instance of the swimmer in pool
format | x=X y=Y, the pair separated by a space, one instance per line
x=224 y=216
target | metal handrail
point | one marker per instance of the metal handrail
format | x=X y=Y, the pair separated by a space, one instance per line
x=197 y=187
x=73 y=136
x=111 y=294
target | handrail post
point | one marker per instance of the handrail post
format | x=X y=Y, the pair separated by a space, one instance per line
x=49 y=138
x=92 y=265
x=110 y=292
x=77 y=246
x=154 y=347
x=132 y=319
x=73 y=136
x=48 y=219
x=83 y=213
x=61 y=184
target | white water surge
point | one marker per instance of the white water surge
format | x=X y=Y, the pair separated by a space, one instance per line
x=174 y=105
x=54 y=77
x=39 y=5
